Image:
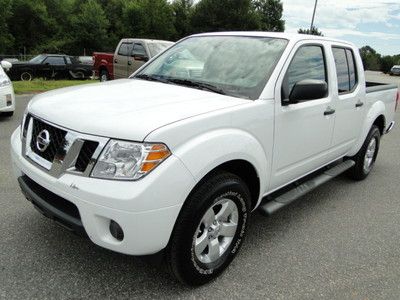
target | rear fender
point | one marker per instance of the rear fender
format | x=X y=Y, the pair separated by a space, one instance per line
x=378 y=108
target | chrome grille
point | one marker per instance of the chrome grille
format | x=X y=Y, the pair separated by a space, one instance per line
x=56 y=143
x=68 y=151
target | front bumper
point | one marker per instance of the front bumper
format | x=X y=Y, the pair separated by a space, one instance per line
x=6 y=93
x=146 y=209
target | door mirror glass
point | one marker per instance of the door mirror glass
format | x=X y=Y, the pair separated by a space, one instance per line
x=307 y=89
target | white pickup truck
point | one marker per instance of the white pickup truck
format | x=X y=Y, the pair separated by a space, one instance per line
x=175 y=158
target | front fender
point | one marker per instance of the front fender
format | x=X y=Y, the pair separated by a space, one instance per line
x=378 y=108
x=205 y=152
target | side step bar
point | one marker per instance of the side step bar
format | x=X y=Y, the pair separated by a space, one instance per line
x=281 y=201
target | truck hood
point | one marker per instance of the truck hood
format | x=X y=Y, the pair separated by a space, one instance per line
x=125 y=109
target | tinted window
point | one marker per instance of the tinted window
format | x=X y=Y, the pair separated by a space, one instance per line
x=352 y=68
x=308 y=63
x=54 y=61
x=139 y=50
x=345 y=69
x=342 y=70
x=125 y=49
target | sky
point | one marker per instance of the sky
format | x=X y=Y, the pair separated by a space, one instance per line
x=364 y=22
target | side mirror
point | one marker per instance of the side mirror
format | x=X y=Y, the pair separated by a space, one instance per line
x=140 y=57
x=6 y=65
x=308 y=89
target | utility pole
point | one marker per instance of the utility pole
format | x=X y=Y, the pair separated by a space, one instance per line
x=313 y=15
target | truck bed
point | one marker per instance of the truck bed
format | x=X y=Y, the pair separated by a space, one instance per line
x=377 y=86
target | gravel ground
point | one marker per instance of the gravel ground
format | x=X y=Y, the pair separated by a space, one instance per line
x=341 y=241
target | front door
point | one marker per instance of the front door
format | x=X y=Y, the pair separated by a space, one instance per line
x=138 y=58
x=303 y=131
x=121 y=58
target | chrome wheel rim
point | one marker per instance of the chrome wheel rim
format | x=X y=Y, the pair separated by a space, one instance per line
x=369 y=156
x=26 y=76
x=216 y=231
x=103 y=78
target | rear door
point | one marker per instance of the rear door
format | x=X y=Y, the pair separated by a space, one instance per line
x=350 y=106
x=303 y=131
x=137 y=58
x=121 y=58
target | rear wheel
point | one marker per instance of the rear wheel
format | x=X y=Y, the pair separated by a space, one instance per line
x=104 y=75
x=365 y=158
x=210 y=229
x=26 y=76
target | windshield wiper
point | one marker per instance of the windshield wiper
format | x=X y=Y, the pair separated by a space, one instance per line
x=151 y=78
x=196 y=84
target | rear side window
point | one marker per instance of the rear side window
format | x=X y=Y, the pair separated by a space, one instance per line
x=54 y=61
x=308 y=63
x=125 y=49
x=345 y=69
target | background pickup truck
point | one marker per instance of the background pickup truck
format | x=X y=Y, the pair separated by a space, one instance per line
x=219 y=125
x=129 y=56
x=50 y=66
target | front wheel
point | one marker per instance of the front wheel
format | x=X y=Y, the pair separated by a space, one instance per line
x=210 y=229
x=365 y=158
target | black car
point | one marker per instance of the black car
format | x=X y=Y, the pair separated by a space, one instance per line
x=50 y=66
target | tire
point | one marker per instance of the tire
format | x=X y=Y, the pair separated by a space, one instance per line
x=365 y=158
x=189 y=255
x=7 y=114
x=26 y=76
x=104 y=76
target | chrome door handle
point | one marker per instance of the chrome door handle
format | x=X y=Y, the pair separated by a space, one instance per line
x=129 y=63
x=329 y=111
x=359 y=104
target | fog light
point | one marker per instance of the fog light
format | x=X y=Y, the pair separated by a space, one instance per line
x=9 y=99
x=116 y=231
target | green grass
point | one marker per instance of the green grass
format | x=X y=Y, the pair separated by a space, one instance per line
x=39 y=85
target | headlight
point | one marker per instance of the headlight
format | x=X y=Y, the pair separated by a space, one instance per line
x=4 y=80
x=128 y=160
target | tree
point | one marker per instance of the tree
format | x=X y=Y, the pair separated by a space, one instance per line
x=89 y=27
x=370 y=58
x=270 y=14
x=314 y=31
x=182 y=11
x=150 y=19
x=6 y=39
x=220 y=15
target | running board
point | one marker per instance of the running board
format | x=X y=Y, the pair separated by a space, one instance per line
x=277 y=203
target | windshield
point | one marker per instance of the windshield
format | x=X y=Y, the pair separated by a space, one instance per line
x=37 y=59
x=231 y=65
x=157 y=47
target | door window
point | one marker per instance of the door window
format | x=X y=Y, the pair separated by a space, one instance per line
x=345 y=69
x=308 y=63
x=138 y=49
x=125 y=49
x=54 y=61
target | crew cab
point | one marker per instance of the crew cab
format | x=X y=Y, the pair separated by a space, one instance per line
x=174 y=159
x=50 y=66
x=129 y=56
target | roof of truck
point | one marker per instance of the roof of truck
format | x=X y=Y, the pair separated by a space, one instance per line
x=289 y=36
